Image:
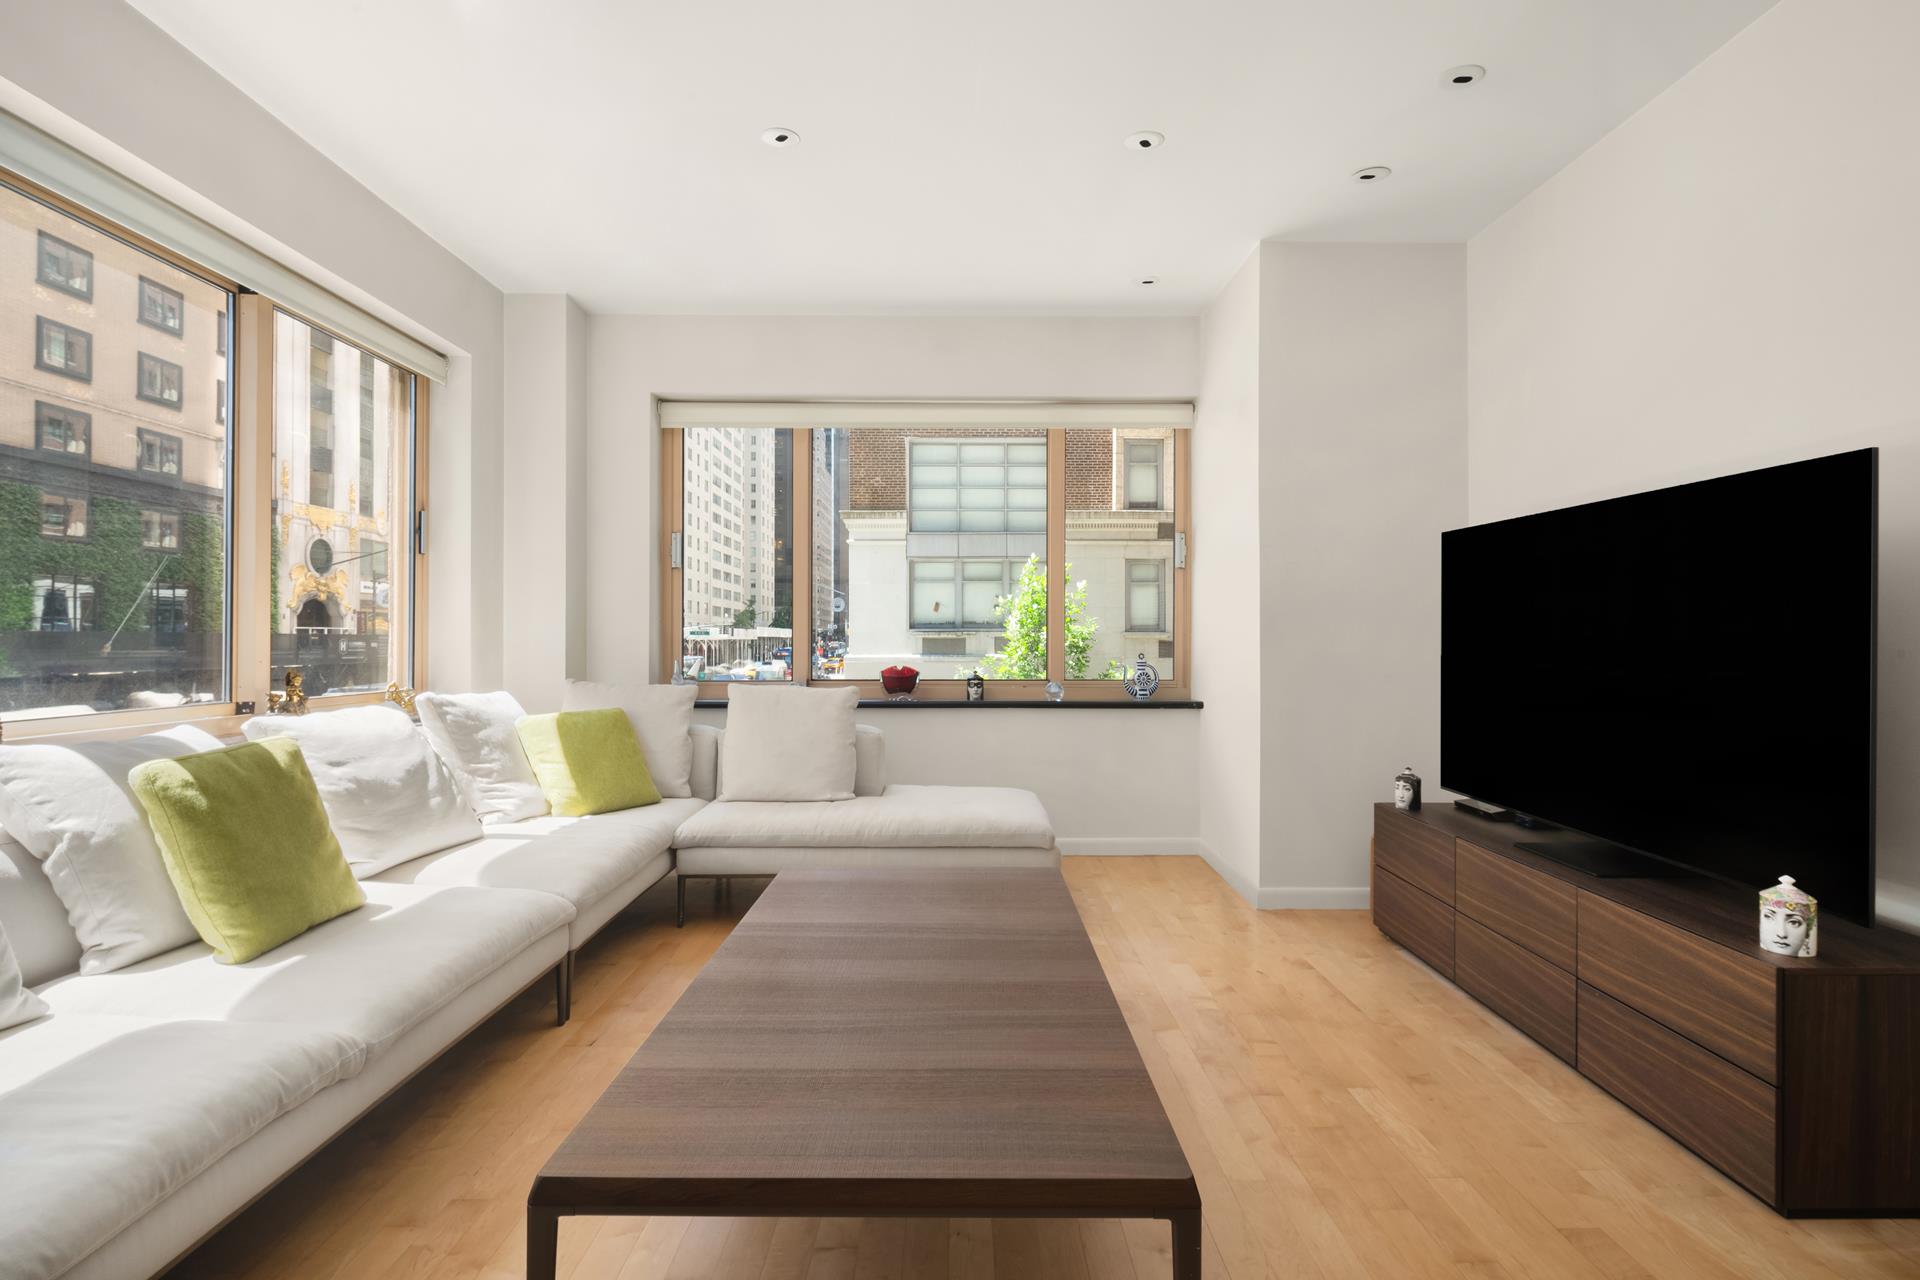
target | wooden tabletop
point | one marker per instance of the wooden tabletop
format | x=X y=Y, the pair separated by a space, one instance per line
x=938 y=1042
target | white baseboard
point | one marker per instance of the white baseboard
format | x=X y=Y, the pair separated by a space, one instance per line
x=1131 y=846
x=1275 y=897
x=1266 y=898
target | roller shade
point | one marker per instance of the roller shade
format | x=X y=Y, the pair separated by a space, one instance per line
x=41 y=158
x=947 y=413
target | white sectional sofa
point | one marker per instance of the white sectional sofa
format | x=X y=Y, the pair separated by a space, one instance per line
x=156 y=1101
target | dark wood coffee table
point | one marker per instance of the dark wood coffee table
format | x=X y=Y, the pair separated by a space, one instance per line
x=885 y=1043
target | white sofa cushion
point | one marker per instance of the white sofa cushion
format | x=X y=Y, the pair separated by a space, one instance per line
x=17 y=1004
x=869 y=760
x=580 y=859
x=705 y=779
x=388 y=795
x=662 y=716
x=70 y=807
x=102 y=1118
x=33 y=918
x=788 y=744
x=901 y=817
x=474 y=734
x=368 y=975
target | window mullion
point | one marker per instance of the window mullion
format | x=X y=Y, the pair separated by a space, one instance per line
x=251 y=591
x=800 y=646
x=673 y=497
x=1057 y=553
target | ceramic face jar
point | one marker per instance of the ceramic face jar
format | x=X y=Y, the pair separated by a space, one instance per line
x=1789 y=920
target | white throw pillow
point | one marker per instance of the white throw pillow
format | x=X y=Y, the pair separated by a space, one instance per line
x=71 y=808
x=788 y=744
x=662 y=716
x=17 y=1004
x=474 y=733
x=389 y=798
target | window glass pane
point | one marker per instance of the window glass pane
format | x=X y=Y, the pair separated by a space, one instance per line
x=736 y=607
x=893 y=584
x=1119 y=551
x=81 y=626
x=342 y=495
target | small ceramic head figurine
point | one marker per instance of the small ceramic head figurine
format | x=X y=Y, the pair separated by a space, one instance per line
x=1406 y=789
x=1789 y=920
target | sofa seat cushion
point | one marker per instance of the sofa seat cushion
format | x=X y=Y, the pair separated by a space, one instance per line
x=102 y=1118
x=899 y=817
x=764 y=860
x=369 y=975
x=579 y=859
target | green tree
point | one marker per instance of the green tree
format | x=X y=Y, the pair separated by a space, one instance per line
x=744 y=616
x=1023 y=647
x=783 y=617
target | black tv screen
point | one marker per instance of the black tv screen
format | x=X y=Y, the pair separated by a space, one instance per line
x=1688 y=673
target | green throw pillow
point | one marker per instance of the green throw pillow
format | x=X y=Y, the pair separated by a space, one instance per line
x=588 y=761
x=247 y=845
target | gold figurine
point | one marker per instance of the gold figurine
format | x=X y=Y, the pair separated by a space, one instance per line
x=402 y=698
x=295 y=701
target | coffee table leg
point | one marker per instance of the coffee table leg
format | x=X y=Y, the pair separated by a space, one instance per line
x=1186 y=1245
x=543 y=1242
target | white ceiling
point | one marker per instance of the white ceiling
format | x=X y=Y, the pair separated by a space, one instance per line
x=956 y=158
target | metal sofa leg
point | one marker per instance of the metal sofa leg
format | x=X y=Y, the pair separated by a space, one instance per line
x=680 y=908
x=563 y=989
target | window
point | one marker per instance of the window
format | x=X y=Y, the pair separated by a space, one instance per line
x=159 y=453
x=161 y=307
x=341 y=611
x=949 y=548
x=59 y=429
x=160 y=530
x=1119 y=549
x=65 y=267
x=126 y=530
x=159 y=381
x=62 y=516
x=1146 y=595
x=120 y=505
x=62 y=349
x=62 y=603
x=1143 y=474
x=170 y=615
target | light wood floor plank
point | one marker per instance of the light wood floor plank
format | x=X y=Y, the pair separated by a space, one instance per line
x=1349 y=1115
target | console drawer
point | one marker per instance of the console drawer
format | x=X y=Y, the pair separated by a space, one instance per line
x=1518 y=903
x=1417 y=853
x=1417 y=921
x=1516 y=984
x=1710 y=994
x=1720 y=1111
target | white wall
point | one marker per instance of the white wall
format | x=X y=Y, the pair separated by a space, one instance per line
x=1363 y=407
x=1731 y=279
x=1226 y=581
x=544 y=384
x=1111 y=779
x=88 y=71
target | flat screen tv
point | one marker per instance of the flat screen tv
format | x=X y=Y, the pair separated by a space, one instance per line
x=1686 y=674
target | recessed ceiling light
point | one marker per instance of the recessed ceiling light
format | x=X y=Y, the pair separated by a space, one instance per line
x=1146 y=140
x=1374 y=174
x=1461 y=77
x=779 y=137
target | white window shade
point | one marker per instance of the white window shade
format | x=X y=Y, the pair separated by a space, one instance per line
x=949 y=414
x=43 y=159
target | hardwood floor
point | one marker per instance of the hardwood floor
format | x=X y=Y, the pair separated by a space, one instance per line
x=1345 y=1111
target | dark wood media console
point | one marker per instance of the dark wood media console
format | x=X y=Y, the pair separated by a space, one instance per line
x=1798 y=1079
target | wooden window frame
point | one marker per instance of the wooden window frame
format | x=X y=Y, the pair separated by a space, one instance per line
x=1175 y=685
x=244 y=343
